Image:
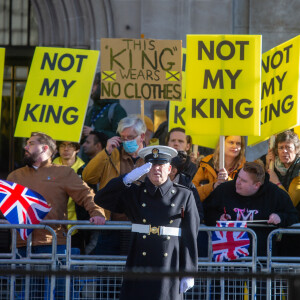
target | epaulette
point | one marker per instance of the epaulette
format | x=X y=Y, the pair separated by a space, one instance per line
x=180 y=185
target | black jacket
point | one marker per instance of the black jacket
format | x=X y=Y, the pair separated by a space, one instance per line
x=157 y=206
x=190 y=170
x=268 y=199
x=187 y=181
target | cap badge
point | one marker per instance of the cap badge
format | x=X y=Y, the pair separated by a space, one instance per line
x=155 y=152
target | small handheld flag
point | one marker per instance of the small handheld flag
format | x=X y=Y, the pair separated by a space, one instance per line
x=230 y=245
x=20 y=205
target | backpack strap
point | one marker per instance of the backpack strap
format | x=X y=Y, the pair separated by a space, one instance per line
x=111 y=111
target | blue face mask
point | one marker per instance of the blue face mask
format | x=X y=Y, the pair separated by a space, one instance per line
x=130 y=146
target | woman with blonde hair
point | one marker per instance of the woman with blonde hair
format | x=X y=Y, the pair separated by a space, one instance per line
x=208 y=176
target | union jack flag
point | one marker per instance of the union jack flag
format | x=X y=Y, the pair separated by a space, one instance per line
x=229 y=245
x=20 y=205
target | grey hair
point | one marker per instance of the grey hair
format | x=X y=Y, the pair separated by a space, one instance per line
x=132 y=121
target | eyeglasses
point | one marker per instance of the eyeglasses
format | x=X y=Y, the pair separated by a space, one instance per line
x=287 y=148
x=128 y=138
x=69 y=146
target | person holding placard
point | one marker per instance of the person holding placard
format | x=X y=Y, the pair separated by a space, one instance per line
x=208 y=176
x=286 y=158
x=286 y=174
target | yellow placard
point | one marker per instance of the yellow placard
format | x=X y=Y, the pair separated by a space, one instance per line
x=297 y=130
x=279 y=90
x=177 y=113
x=223 y=84
x=141 y=69
x=176 y=108
x=57 y=92
x=2 y=59
x=209 y=141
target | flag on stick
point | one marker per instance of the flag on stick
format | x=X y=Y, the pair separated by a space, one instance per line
x=20 y=205
x=230 y=245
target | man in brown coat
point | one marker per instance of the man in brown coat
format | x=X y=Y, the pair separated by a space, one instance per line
x=56 y=184
x=119 y=157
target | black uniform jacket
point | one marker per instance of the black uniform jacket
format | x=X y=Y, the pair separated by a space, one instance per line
x=187 y=181
x=170 y=205
x=267 y=200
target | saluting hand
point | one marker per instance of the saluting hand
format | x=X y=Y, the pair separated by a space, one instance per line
x=135 y=174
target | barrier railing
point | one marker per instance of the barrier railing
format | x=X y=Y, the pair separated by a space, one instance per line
x=205 y=288
x=14 y=261
x=281 y=264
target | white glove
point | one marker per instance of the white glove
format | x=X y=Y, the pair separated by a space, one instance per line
x=137 y=173
x=186 y=283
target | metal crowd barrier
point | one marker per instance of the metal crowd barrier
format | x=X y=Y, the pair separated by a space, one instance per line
x=286 y=265
x=77 y=285
x=20 y=289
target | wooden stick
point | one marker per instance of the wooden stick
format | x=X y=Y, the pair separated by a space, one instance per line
x=255 y=221
x=251 y=221
x=142 y=100
x=195 y=150
x=222 y=152
x=271 y=145
x=142 y=109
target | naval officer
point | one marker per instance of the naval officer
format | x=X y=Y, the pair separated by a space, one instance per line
x=165 y=224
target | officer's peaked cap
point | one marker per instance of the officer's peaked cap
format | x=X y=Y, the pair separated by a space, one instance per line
x=157 y=154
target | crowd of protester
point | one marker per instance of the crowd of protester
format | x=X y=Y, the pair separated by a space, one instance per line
x=110 y=147
x=104 y=154
x=111 y=157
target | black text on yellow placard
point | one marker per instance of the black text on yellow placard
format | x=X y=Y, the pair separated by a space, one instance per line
x=141 y=69
x=57 y=92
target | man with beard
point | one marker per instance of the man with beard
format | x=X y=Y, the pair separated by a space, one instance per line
x=56 y=183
